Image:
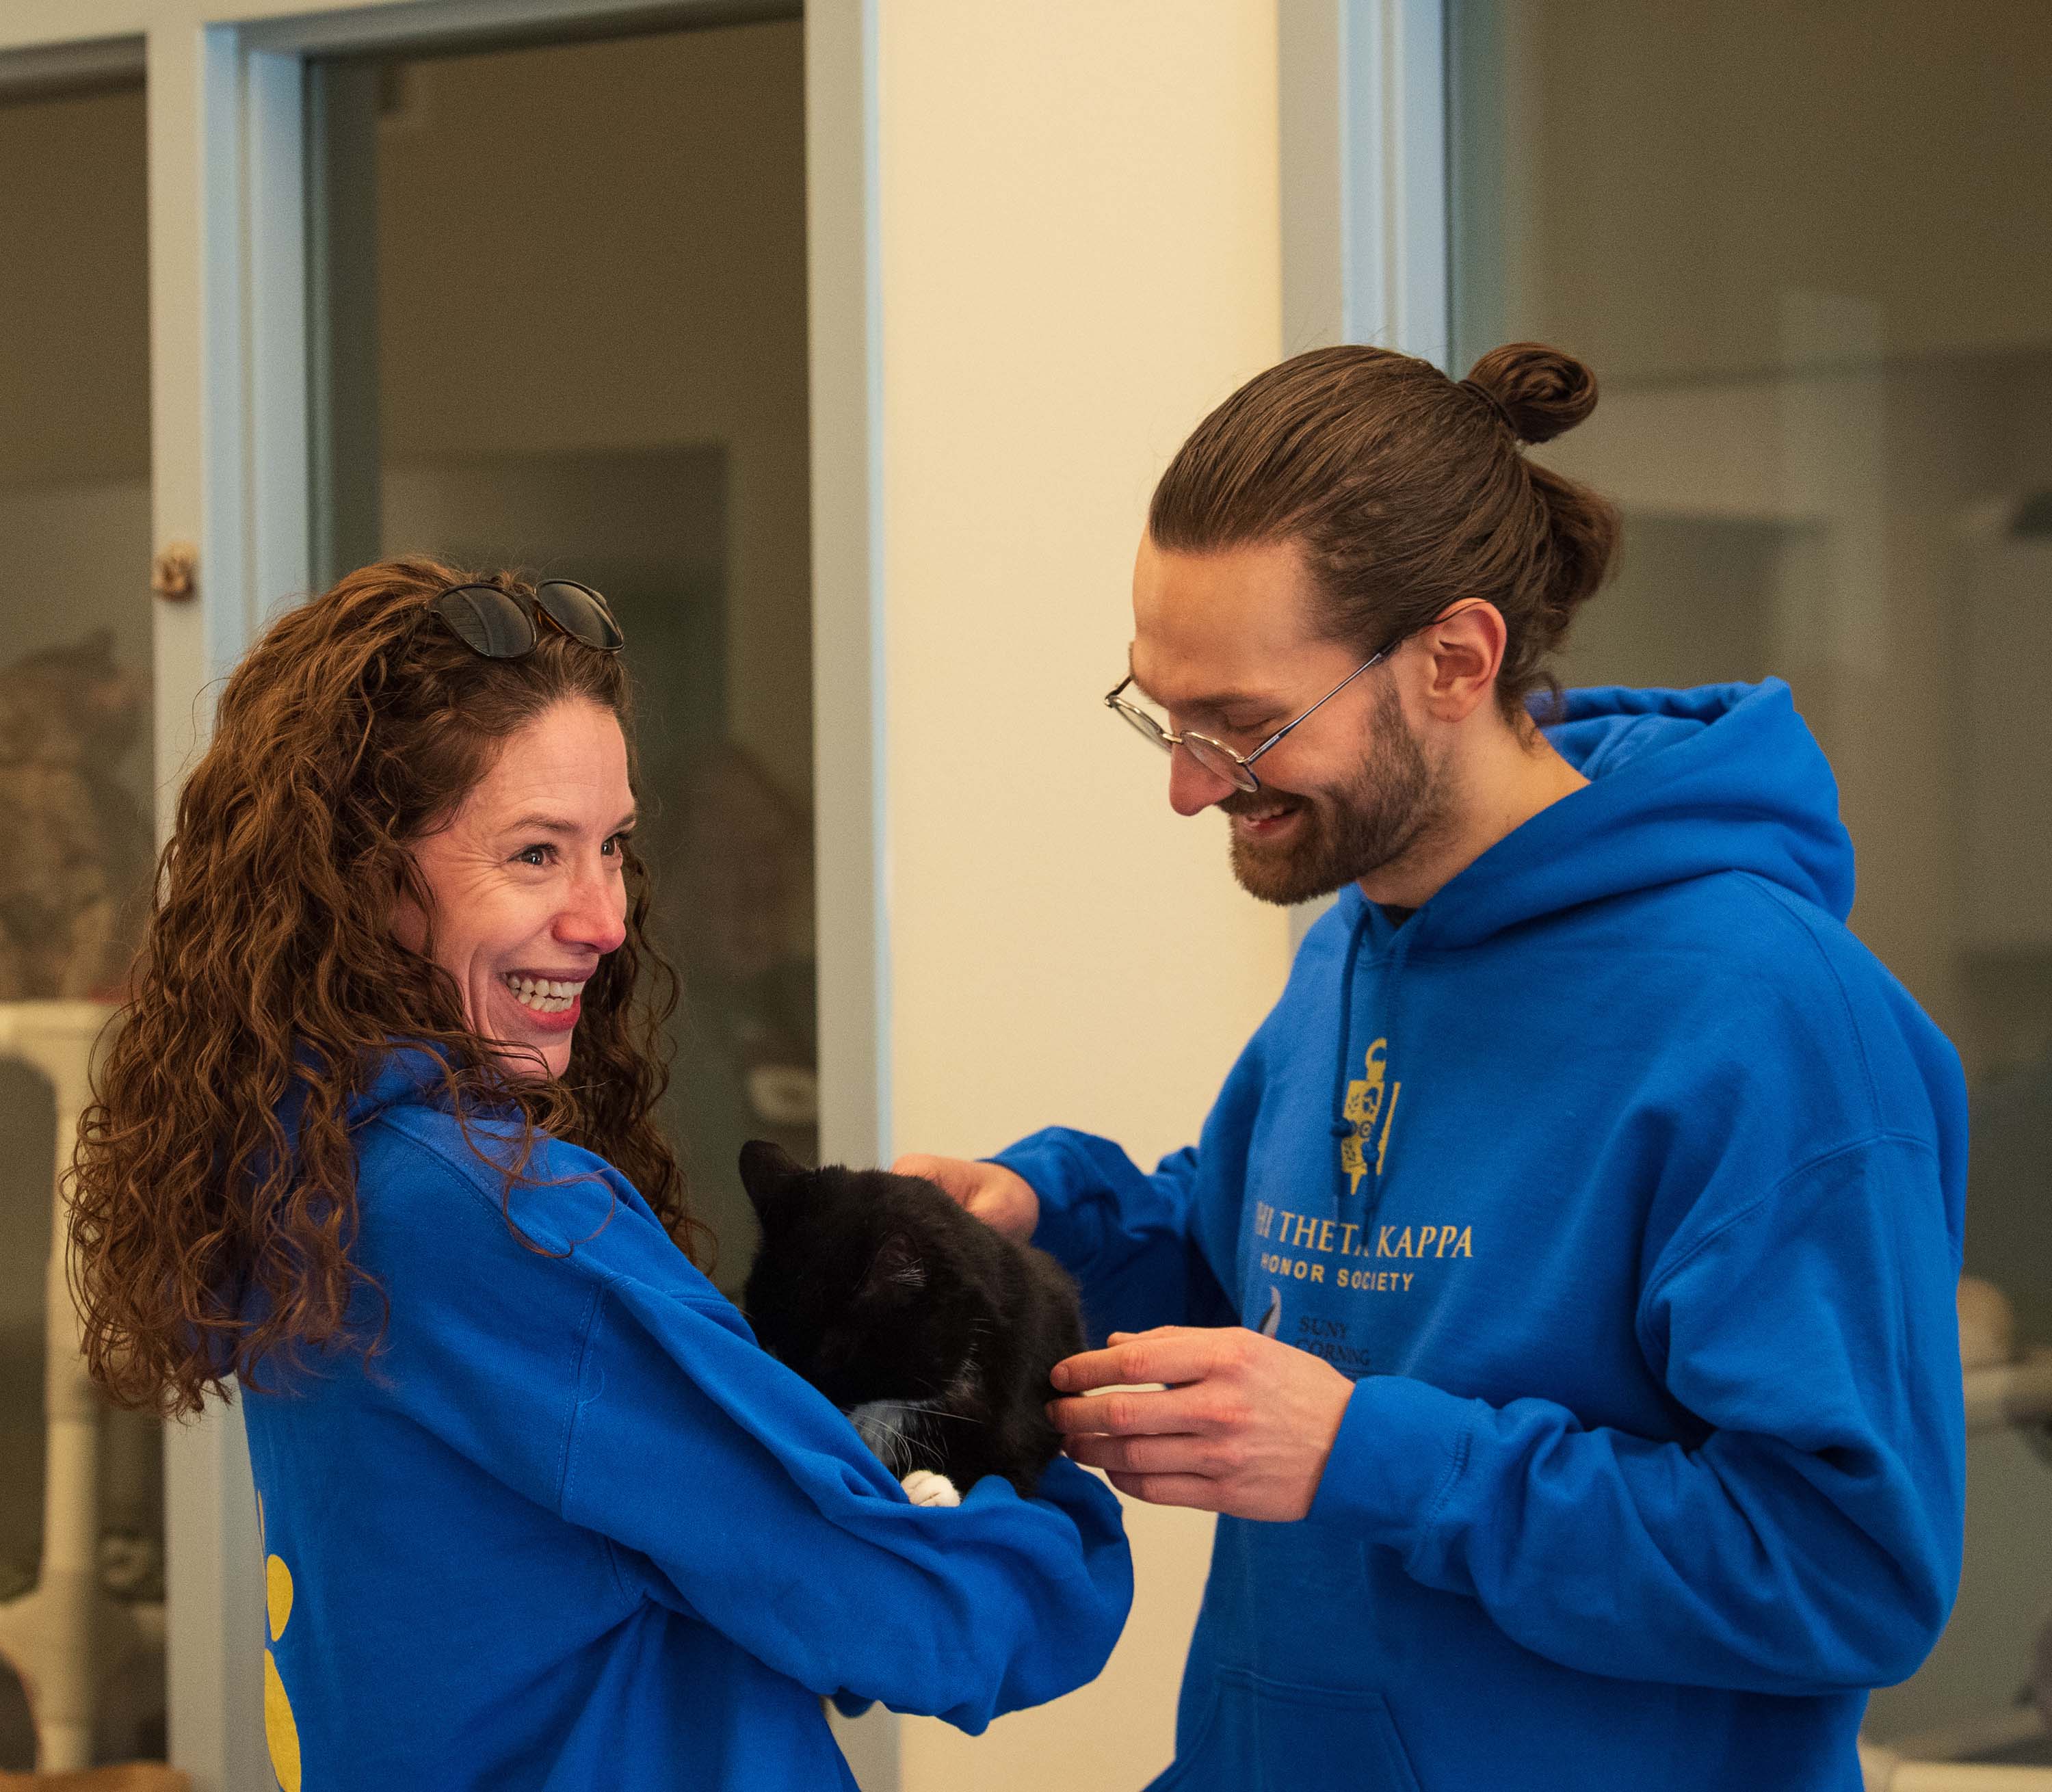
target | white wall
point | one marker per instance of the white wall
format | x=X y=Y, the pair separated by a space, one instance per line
x=1079 y=257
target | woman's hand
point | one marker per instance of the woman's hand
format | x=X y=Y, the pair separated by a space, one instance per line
x=1002 y=1199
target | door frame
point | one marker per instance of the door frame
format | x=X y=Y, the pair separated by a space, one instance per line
x=1363 y=114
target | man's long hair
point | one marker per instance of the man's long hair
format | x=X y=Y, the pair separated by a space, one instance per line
x=206 y=1241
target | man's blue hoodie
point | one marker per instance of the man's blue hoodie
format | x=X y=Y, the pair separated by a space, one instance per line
x=1628 y=1185
x=570 y=1527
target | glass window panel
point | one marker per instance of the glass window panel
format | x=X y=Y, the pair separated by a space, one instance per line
x=1808 y=251
x=81 y=1499
x=582 y=352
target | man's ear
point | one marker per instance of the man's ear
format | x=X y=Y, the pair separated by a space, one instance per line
x=769 y=1174
x=1466 y=649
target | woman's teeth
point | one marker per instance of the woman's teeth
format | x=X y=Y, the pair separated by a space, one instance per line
x=540 y=995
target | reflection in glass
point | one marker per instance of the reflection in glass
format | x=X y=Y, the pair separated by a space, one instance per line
x=81 y=1503
x=1808 y=252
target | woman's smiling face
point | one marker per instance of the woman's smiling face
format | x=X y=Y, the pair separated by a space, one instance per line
x=527 y=881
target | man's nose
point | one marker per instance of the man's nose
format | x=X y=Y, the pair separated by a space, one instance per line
x=1192 y=789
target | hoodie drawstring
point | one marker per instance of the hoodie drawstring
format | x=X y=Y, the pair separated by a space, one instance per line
x=1341 y=1126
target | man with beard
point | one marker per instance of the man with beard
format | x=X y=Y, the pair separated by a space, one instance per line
x=1558 y=1306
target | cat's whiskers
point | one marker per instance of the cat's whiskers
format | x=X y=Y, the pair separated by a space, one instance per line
x=891 y=1444
x=922 y=1409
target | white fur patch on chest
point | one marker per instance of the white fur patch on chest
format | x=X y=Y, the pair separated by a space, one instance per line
x=896 y=1432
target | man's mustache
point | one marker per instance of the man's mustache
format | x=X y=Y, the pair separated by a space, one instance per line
x=1249 y=802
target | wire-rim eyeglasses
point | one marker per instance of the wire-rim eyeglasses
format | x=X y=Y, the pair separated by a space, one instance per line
x=1214 y=756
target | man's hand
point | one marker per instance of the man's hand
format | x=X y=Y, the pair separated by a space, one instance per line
x=1002 y=1199
x=1244 y=1425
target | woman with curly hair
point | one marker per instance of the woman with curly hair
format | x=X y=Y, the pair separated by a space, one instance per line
x=375 y=1139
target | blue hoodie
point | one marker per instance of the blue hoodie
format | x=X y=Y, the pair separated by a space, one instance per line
x=1628 y=1185
x=573 y=1528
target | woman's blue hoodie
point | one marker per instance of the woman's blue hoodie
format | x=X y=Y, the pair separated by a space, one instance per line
x=570 y=1527
x=1628 y=1184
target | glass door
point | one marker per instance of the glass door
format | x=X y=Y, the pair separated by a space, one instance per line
x=1805 y=251
x=582 y=353
x=81 y=1486
x=238 y=353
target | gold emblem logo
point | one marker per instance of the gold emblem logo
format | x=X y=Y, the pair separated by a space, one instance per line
x=1370 y=1103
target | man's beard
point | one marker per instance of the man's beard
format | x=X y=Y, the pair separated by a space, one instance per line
x=1342 y=834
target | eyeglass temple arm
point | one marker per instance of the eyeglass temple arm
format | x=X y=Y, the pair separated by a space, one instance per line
x=1375 y=660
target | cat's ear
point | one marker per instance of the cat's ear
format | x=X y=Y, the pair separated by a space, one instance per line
x=769 y=1172
x=896 y=1273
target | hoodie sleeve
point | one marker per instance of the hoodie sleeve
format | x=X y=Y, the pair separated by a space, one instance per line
x=1129 y=1238
x=735 y=1493
x=1811 y=1542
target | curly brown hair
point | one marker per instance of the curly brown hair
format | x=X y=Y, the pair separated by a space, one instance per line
x=204 y=1241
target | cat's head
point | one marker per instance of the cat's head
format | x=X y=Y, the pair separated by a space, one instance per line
x=862 y=1283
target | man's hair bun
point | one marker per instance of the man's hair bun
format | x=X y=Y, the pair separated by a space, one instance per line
x=1540 y=390
x=1408 y=493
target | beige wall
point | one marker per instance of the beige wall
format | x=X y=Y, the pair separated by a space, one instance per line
x=1080 y=257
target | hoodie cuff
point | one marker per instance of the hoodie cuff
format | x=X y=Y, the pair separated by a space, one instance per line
x=1401 y=1446
x=1070 y=1230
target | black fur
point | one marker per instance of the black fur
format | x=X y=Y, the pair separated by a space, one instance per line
x=876 y=1287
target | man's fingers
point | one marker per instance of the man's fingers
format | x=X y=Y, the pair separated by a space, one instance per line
x=1169 y=1490
x=1129 y=1412
x=1179 y=1455
x=947 y=1172
x=1002 y=1199
x=1173 y=1354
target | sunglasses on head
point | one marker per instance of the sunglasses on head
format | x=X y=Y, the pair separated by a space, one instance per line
x=501 y=624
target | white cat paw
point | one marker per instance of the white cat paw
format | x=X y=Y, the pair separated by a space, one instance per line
x=924 y=1487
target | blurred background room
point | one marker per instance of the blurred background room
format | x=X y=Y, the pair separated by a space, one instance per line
x=840 y=344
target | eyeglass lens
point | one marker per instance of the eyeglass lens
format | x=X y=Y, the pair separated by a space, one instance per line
x=1143 y=725
x=1215 y=760
x=578 y=610
x=1218 y=762
x=488 y=620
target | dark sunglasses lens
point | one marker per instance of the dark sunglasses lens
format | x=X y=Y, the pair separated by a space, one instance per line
x=488 y=620
x=578 y=610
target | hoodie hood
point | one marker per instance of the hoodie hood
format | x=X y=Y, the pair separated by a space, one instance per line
x=408 y=1073
x=1726 y=777
x=404 y=1073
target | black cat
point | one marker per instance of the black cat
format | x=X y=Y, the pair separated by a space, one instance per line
x=933 y=1333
